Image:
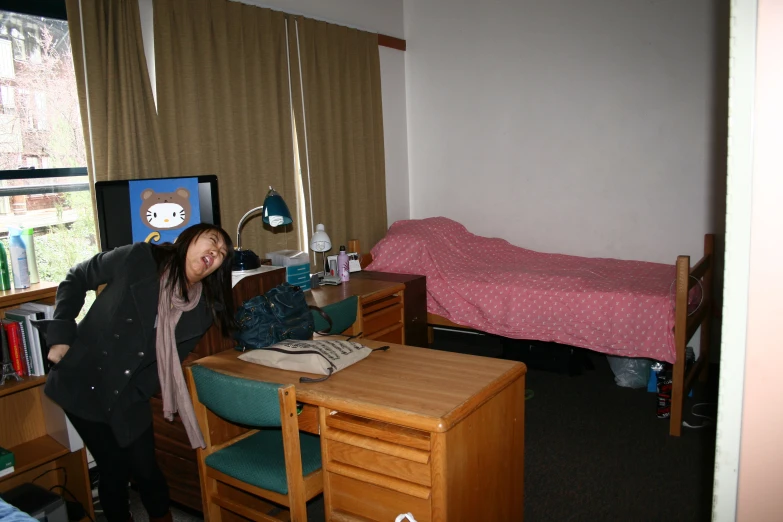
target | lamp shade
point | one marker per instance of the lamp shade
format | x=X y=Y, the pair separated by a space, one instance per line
x=320 y=241
x=276 y=212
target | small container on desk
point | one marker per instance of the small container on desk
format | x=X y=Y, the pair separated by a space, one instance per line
x=298 y=276
x=296 y=264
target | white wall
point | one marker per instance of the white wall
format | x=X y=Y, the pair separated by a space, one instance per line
x=564 y=125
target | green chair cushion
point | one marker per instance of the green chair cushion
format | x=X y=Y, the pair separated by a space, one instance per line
x=342 y=314
x=259 y=459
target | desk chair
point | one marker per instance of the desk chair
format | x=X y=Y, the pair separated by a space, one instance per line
x=342 y=313
x=241 y=463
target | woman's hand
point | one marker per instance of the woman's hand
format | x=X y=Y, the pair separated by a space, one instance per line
x=57 y=352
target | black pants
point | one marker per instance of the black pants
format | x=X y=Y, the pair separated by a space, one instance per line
x=117 y=465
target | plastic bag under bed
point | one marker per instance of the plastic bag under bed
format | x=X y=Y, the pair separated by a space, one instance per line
x=630 y=372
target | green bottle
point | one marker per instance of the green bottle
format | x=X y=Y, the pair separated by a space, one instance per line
x=5 y=279
x=29 y=247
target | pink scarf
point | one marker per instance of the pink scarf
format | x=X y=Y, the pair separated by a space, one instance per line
x=173 y=389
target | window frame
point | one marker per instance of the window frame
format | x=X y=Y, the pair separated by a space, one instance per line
x=49 y=188
x=49 y=9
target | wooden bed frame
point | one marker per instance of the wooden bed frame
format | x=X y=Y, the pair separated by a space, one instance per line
x=685 y=325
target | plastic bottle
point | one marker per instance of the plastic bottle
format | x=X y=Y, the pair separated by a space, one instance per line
x=5 y=279
x=342 y=265
x=18 y=258
x=29 y=248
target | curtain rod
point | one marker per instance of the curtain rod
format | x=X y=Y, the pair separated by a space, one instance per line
x=383 y=40
x=390 y=41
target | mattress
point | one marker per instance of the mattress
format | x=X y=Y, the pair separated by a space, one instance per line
x=612 y=306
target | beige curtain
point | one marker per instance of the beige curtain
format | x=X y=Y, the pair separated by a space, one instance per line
x=115 y=96
x=224 y=107
x=340 y=129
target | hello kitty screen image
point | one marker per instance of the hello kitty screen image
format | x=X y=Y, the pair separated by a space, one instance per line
x=162 y=208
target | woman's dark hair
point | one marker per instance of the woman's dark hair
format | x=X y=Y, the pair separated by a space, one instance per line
x=216 y=287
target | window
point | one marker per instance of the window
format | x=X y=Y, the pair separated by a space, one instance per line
x=43 y=174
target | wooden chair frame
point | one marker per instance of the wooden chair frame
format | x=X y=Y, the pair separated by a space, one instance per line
x=220 y=491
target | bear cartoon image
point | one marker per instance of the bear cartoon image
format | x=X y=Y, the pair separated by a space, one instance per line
x=165 y=210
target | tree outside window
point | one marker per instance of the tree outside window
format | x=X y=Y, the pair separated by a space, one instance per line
x=43 y=175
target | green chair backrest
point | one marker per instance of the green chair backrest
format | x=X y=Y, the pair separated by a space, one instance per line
x=342 y=314
x=242 y=401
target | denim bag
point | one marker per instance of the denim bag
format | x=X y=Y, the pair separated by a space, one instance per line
x=281 y=313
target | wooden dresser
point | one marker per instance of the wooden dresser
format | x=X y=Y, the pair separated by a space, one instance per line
x=381 y=314
x=415 y=303
x=175 y=456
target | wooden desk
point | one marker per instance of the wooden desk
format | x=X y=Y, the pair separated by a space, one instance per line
x=435 y=433
x=381 y=314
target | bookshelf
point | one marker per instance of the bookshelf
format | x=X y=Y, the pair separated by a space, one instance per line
x=23 y=427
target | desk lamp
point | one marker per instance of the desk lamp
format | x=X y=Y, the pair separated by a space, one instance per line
x=276 y=213
x=320 y=242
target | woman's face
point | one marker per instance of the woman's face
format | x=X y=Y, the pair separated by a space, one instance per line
x=205 y=254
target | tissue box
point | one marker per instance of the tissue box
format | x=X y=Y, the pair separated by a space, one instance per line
x=288 y=258
x=297 y=266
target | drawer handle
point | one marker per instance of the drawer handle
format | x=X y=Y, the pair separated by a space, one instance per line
x=381 y=446
x=383 y=481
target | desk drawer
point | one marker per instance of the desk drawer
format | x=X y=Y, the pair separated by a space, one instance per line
x=382 y=319
x=384 y=431
x=350 y=496
x=182 y=477
x=375 y=305
x=389 y=335
x=170 y=436
x=308 y=419
x=391 y=458
x=379 y=463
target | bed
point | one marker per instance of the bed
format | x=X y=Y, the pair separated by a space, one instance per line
x=617 y=307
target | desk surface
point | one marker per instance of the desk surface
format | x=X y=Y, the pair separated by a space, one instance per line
x=415 y=387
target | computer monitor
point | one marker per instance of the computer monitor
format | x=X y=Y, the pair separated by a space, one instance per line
x=114 y=208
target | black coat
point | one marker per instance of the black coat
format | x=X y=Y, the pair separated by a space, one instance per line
x=110 y=371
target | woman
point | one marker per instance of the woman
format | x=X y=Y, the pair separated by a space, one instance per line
x=158 y=301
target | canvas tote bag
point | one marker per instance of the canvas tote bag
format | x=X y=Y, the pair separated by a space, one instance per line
x=321 y=357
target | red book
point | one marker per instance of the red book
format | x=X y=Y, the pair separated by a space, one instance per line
x=14 y=334
x=23 y=349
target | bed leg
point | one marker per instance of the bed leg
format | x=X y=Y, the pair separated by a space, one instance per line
x=430 y=335
x=678 y=379
x=680 y=340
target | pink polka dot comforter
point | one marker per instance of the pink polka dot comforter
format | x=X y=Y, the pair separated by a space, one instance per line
x=607 y=305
